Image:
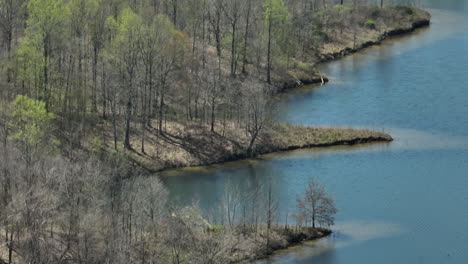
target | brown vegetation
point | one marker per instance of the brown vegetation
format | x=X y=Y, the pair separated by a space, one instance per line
x=87 y=85
x=87 y=210
x=192 y=144
x=353 y=32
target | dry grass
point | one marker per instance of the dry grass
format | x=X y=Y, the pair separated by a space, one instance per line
x=181 y=145
x=254 y=245
x=283 y=137
x=289 y=135
x=192 y=144
x=391 y=20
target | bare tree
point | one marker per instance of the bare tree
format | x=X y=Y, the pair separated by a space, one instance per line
x=316 y=205
x=215 y=15
x=10 y=11
x=257 y=114
x=232 y=10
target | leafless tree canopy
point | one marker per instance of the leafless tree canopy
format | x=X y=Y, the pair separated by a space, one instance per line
x=316 y=206
x=88 y=88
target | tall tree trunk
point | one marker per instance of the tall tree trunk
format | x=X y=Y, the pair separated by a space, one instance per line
x=9 y=35
x=218 y=38
x=104 y=94
x=127 y=125
x=251 y=143
x=269 y=46
x=144 y=111
x=94 y=91
x=246 y=37
x=10 y=248
x=213 y=107
x=46 y=71
x=8 y=43
x=150 y=94
x=269 y=215
x=203 y=36
x=161 y=110
x=114 y=123
x=174 y=12
x=128 y=120
x=233 y=50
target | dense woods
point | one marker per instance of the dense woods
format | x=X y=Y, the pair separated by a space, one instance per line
x=87 y=85
x=117 y=66
x=96 y=210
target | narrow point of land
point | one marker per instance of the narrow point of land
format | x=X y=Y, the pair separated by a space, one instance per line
x=187 y=144
x=193 y=144
x=142 y=83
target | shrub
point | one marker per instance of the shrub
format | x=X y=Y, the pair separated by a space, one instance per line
x=341 y=8
x=370 y=23
x=406 y=9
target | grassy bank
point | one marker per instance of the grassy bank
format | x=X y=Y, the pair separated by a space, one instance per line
x=192 y=144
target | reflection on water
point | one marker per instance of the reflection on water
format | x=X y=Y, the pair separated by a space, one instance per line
x=350 y=233
x=404 y=139
x=402 y=202
x=387 y=85
x=346 y=234
x=443 y=24
x=320 y=251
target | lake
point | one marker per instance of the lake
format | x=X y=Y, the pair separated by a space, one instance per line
x=402 y=202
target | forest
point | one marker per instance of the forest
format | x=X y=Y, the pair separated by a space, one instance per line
x=91 y=89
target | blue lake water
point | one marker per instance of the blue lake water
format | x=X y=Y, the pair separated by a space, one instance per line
x=403 y=202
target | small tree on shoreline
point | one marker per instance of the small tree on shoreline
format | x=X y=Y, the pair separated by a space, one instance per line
x=316 y=205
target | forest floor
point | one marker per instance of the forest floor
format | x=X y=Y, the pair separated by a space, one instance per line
x=190 y=144
x=241 y=244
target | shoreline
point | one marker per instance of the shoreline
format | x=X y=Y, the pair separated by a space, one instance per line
x=280 y=138
x=232 y=150
x=341 y=143
x=281 y=238
x=422 y=23
x=351 y=142
x=335 y=56
x=307 y=235
x=328 y=57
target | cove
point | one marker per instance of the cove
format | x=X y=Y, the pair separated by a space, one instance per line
x=403 y=202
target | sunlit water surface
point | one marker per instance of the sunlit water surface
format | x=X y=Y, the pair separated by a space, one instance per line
x=403 y=202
